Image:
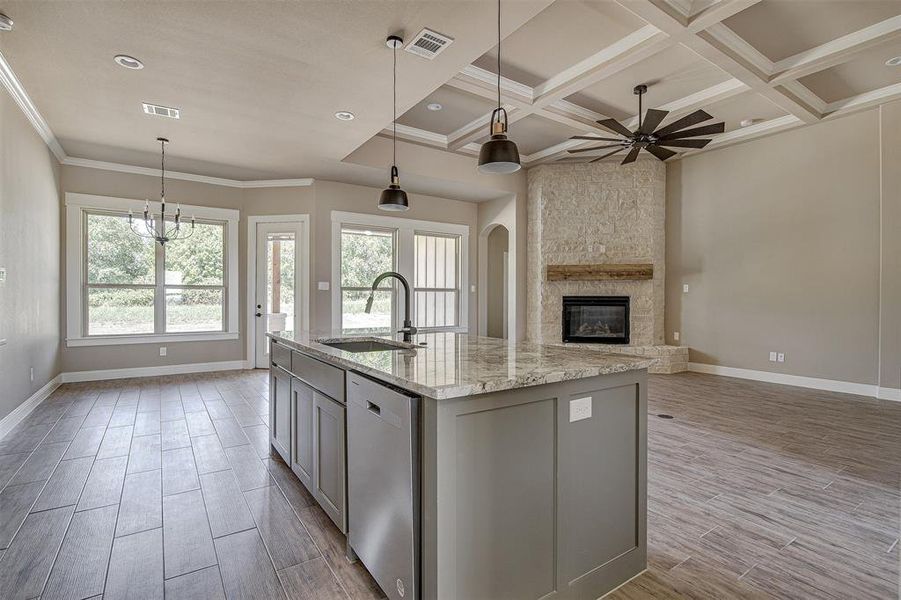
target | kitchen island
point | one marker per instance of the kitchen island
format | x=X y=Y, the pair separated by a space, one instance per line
x=465 y=467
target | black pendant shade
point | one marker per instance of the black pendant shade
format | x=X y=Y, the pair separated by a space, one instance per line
x=394 y=198
x=499 y=154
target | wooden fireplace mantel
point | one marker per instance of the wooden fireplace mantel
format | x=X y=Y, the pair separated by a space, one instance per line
x=600 y=272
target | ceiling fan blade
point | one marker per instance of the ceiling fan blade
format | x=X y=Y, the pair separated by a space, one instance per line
x=699 y=116
x=594 y=138
x=603 y=156
x=631 y=156
x=615 y=126
x=652 y=119
x=685 y=143
x=705 y=130
x=595 y=148
x=661 y=153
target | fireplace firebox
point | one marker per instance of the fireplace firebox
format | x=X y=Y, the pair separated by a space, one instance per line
x=596 y=319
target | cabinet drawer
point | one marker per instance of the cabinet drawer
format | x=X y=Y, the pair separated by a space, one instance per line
x=327 y=379
x=280 y=355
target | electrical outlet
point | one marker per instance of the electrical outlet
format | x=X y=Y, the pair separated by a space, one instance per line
x=323 y=286
x=579 y=409
x=162 y=351
x=31 y=373
x=780 y=357
x=772 y=357
x=2 y=274
x=676 y=336
x=472 y=288
x=684 y=288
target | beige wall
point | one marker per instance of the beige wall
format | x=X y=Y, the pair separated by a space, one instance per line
x=779 y=242
x=890 y=292
x=318 y=201
x=29 y=251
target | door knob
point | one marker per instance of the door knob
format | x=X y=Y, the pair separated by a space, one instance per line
x=259 y=314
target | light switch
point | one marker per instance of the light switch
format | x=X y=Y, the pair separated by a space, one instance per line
x=472 y=288
x=579 y=409
x=162 y=351
x=2 y=274
x=684 y=288
x=676 y=336
x=772 y=357
x=323 y=286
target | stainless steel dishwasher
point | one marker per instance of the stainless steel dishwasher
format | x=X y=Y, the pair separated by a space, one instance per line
x=383 y=483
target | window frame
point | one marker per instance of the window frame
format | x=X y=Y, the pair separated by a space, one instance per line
x=78 y=206
x=405 y=254
x=458 y=241
x=387 y=286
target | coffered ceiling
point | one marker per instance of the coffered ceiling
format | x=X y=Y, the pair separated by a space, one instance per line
x=770 y=64
x=259 y=82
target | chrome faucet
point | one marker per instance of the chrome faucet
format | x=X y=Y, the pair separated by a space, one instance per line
x=408 y=330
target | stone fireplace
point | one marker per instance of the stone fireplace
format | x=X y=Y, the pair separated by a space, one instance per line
x=584 y=214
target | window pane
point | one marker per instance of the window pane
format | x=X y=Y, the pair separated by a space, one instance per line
x=117 y=311
x=354 y=317
x=435 y=309
x=115 y=253
x=364 y=256
x=193 y=310
x=280 y=281
x=198 y=259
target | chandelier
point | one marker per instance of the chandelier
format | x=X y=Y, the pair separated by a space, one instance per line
x=154 y=225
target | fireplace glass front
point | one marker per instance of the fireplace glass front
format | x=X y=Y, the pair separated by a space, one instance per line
x=596 y=319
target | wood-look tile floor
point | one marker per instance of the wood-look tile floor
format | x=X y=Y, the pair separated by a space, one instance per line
x=164 y=486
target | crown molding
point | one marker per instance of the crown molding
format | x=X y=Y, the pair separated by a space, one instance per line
x=71 y=161
x=17 y=91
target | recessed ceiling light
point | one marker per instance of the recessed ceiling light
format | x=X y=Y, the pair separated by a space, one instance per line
x=344 y=115
x=434 y=106
x=129 y=62
x=6 y=24
x=894 y=62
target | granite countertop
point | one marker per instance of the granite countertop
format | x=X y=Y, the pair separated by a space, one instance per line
x=453 y=365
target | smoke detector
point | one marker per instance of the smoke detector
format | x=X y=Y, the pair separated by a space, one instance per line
x=428 y=44
x=6 y=24
x=161 y=111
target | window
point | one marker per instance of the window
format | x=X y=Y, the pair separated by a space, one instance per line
x=431 y=256
x=123 y=288
x=436 y=295
x=365 y=254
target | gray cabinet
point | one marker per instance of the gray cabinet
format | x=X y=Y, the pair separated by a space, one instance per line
x=330 y=466
x=302 y=455
x=280 y=411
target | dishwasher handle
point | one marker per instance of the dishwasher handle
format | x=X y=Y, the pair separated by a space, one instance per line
x=374 y=408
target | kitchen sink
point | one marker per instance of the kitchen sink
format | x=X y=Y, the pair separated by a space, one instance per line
x=366 y=344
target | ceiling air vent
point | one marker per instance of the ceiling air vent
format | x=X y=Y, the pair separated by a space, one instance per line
x=161 y=111
x=428 y=44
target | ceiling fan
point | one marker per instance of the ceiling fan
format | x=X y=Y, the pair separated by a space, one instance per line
x=674 y=135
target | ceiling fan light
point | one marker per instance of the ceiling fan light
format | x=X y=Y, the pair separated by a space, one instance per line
x=499 y=155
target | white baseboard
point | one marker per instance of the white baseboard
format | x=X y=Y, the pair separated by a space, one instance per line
x=831 y=385
x=104 y=374
x=23 y=410
x=886 y=393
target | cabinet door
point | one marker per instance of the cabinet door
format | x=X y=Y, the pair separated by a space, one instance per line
x=280 y=411
x=329 y=470
x=302 y=440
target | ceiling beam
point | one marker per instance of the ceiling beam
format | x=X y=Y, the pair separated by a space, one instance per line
x=837 y=51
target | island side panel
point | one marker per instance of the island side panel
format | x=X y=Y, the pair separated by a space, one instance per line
x=503 y=464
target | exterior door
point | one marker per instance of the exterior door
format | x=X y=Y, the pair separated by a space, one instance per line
x=279 y=283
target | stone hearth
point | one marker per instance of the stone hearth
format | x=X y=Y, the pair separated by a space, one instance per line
x=594 y=214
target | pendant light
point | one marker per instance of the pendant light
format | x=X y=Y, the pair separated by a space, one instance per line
x=393 y=198
x=498 y=154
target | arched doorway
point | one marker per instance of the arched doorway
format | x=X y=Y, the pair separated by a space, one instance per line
x=497 y=283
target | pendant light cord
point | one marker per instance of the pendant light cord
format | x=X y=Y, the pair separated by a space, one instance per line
x=162 y=170
x=394 y=122
x=498 y=53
